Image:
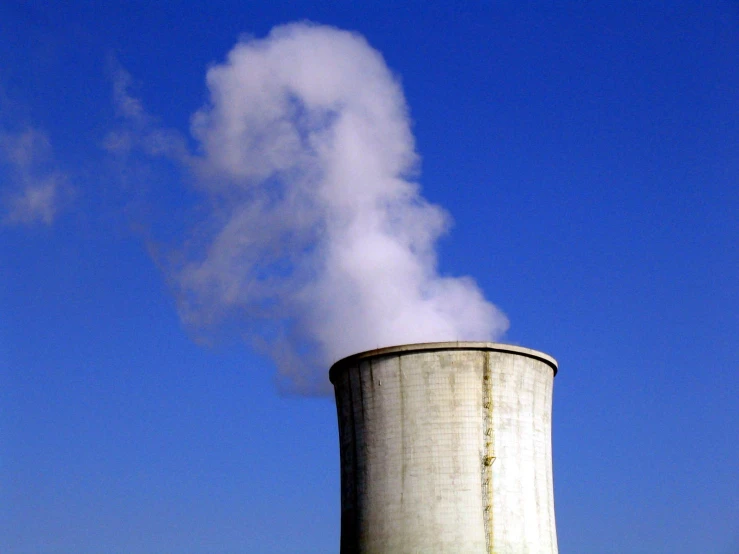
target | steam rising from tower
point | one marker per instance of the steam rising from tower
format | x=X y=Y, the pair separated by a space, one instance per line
x=318 y=235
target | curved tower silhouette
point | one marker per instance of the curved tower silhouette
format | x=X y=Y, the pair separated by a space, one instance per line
x=446 y=448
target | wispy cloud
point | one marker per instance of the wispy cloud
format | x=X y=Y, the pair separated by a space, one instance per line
x=34 y=190
x=138 y=130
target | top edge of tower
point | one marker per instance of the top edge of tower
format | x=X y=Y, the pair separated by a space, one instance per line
x=439 y=346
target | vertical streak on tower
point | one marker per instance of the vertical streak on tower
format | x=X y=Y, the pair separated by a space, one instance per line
x=446 y=448
x=488 y=454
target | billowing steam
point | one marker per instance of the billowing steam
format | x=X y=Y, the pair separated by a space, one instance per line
x=319 y=236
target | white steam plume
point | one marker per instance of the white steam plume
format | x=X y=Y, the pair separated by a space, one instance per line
x=318 y=236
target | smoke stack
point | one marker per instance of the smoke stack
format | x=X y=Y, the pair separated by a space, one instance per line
x=446 y=448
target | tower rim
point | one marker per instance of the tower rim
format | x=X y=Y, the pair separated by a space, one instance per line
x=400 y=349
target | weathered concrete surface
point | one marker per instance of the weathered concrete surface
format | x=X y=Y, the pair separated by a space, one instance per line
x=446 y=448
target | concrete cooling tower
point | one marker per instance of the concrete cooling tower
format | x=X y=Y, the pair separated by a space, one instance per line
x=446 y=448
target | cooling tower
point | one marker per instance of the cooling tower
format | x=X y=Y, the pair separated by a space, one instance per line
x=446 y=448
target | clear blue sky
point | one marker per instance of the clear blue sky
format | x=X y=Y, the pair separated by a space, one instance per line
x=589 y=157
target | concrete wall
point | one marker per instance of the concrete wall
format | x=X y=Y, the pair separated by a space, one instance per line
x=446 y=448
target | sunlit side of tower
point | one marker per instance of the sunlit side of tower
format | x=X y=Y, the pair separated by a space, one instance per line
x=446 y=448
